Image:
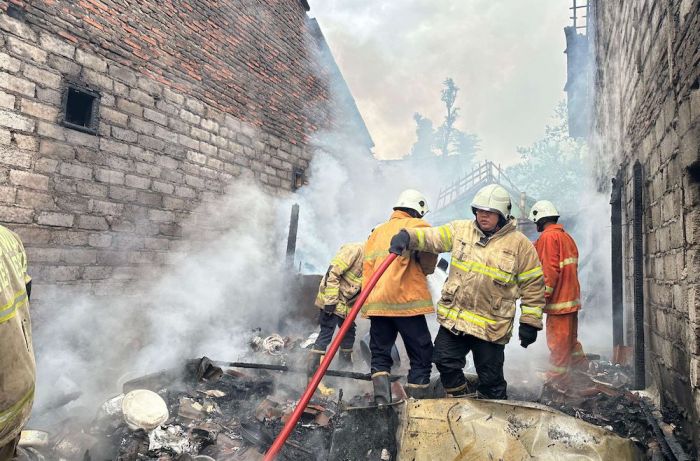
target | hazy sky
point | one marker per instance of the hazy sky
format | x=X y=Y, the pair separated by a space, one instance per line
x=505 y=55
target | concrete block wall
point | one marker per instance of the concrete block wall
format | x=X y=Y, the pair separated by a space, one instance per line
x=647 y=109
x=193 y=96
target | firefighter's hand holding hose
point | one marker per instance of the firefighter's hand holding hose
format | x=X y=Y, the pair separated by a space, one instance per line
x=399 y=242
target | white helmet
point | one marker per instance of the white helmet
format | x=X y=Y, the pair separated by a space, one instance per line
x=493 y=198
x=413 y=200
x=543 y=209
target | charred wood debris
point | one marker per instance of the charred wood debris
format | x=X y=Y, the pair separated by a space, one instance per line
x=232 y=411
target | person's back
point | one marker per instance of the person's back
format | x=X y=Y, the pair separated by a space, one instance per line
x=399 y=301
x=337 y=294
x=403 y=289
x=17 y=358
x=559 y=255
x=560 y=263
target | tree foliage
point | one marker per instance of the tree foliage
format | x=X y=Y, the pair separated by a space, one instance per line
x=553 y=168
x=452 y=147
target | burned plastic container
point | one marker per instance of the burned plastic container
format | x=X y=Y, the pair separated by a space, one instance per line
x=144 y=409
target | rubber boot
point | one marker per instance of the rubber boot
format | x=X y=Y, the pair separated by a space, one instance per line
x=345 y=360
x=382 y=388
x=417 y=391
x=460 y=391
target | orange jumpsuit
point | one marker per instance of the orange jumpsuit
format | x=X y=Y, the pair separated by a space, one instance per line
x=559 y=256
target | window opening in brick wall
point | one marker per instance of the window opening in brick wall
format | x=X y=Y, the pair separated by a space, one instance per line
x=298 y=178
x=15 y=12
x=694 y=172
x=80 y=107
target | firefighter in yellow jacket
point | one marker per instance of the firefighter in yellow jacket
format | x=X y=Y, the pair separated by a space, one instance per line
x=18 y=373
x=336 y=295
x=492 y=266
x=399 y=301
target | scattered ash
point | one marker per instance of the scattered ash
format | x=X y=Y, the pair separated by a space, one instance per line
x=680 y=429
x=214 y=413
x=601 y=396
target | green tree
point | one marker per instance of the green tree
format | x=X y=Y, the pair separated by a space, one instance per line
x=452 y=148
x=553 y=168
x=446 y=132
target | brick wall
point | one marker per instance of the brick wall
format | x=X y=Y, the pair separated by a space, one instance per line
x=193 y=96
x=647 y=108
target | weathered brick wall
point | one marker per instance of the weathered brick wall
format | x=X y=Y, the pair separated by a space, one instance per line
x=193 y=96
x=647 y=108
x=247 y=58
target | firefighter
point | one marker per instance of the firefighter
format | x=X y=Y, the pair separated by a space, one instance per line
x=18 y=374
x=399 y=301
x=559 y=256
x=336 y=295
x=492 y=266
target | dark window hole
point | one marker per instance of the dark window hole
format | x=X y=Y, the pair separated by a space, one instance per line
x=15 y=12
x=80 y=109
x=694 y=172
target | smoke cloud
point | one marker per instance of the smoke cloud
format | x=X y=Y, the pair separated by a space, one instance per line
x=209 y=297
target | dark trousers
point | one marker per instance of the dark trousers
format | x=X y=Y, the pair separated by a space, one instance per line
x=328 y=324
x=450 y=358
x=416 y=337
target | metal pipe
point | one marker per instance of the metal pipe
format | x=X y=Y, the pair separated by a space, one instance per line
x=616 y=258
x=273 y=367
x=638 y=265
x=332 y=349
x=292 y=237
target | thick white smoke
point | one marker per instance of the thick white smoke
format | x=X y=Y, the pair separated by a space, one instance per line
x=203 y=303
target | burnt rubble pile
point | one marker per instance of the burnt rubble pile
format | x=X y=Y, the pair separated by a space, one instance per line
x=232 y=411
x=226 y=411
x=225 y=415
x=602 y=396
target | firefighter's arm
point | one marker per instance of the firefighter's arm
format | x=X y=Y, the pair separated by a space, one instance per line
x=530 y=282
x=426 y=261
x=550 y=257
x=332 y=283
x=355 y=264
x=24 y=265
x=431 y=239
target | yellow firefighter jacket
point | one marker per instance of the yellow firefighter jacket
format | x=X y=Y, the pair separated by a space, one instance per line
x=18 y=374
x=486 y=277
x=343 y=279
x=403 y=289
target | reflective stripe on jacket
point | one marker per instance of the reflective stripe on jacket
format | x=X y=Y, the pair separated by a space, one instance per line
x=343 y=279
x=486 y=277
x=403 y=289
x=559 y=256
x=17 y=359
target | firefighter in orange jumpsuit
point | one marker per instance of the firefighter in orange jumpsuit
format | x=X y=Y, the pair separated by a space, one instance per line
x=559 y=256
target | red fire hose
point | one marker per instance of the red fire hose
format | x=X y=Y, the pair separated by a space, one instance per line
x=316 y=379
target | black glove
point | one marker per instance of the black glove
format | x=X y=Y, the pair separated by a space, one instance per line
x=527 y=334
x=329 y=309
x=399 y=242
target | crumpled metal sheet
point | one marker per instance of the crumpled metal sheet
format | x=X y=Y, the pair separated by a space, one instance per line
x=468 y=429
